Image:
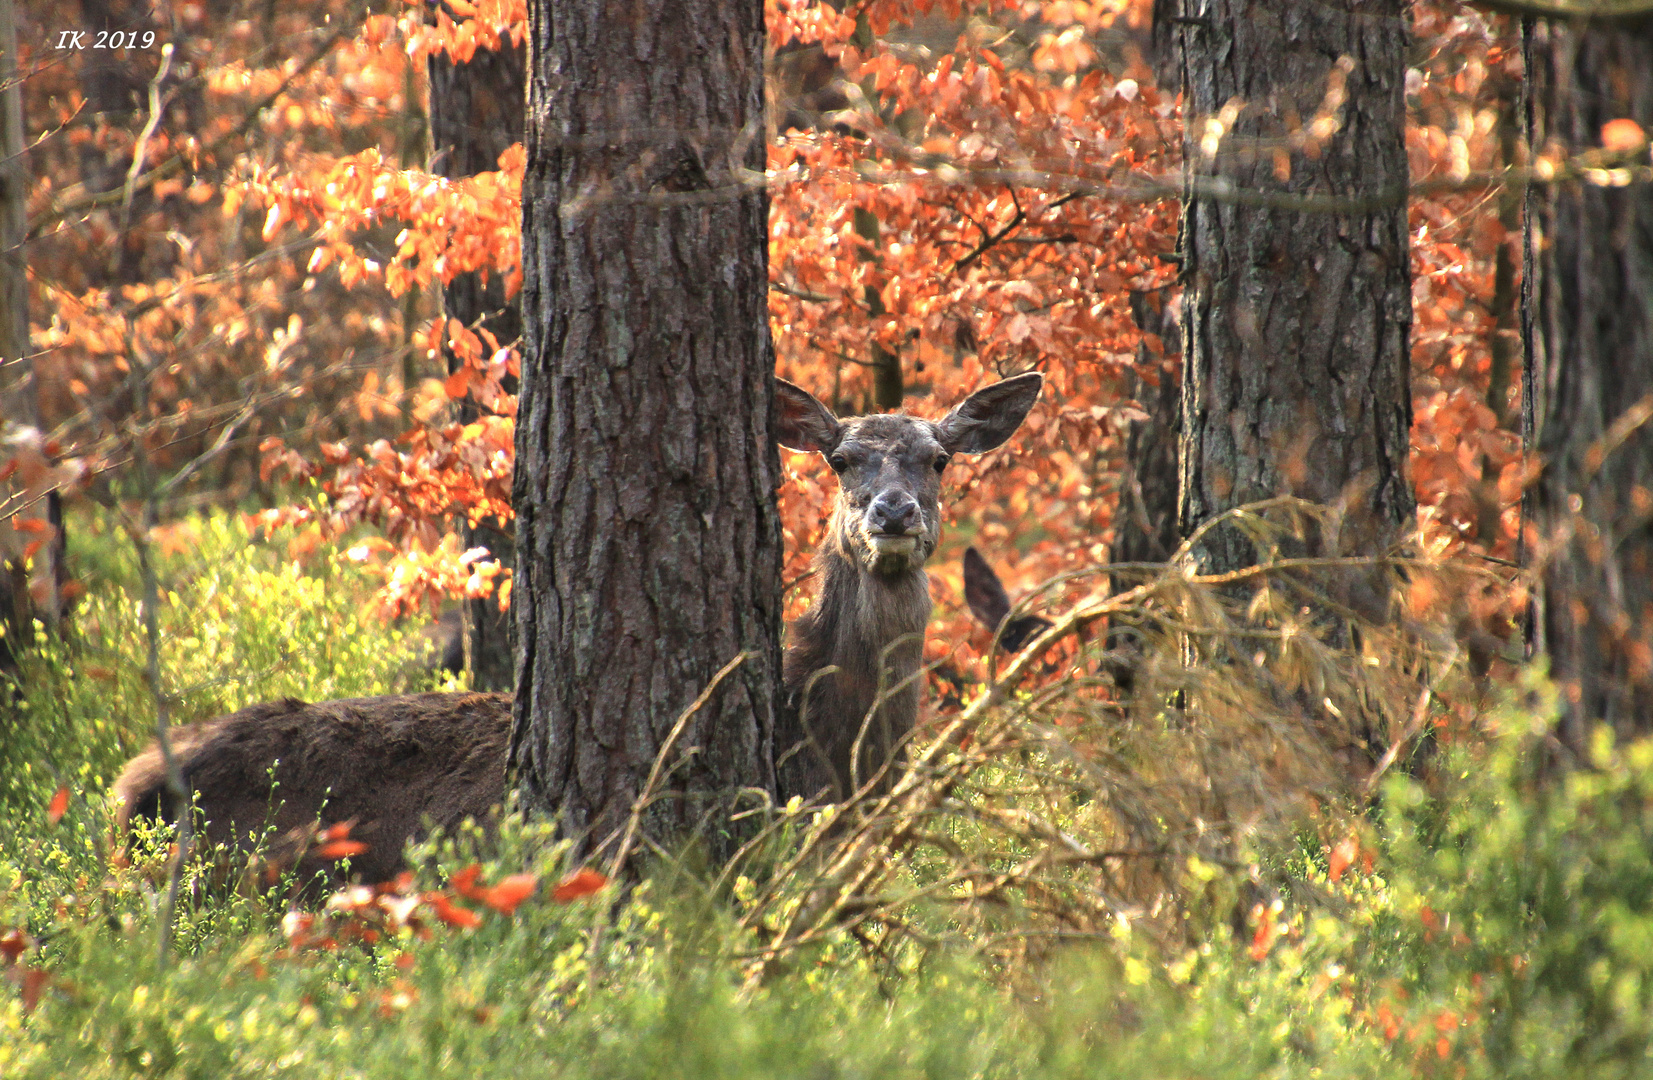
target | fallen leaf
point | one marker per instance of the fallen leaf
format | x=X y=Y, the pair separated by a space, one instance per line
x=582 y=882
x=1342 y=856
x=464 y=882
x=452 y=913
x=511 y=892
x=58 y=806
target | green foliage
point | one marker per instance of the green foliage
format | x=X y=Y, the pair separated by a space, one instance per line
x=239 y=623
x=1503 y=926
x=1527 y=897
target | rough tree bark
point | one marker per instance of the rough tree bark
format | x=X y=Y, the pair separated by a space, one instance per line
x=1587 y=408
x=1145 y=524
x=649 y=545
x=1296 y=315
x=16 y=387
x=476 y=114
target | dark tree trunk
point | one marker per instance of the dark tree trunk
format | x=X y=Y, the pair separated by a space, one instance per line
x=476 y=114
x=1587 y=407
x=1145 y=518
x=1145 y=522
x=648 y=541
x=1295 y=316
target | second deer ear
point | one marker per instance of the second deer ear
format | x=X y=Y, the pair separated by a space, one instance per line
x=804 y=423
x=983 y=591
x=991 y=415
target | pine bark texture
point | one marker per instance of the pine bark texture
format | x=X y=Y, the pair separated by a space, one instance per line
x=1588 y=393
x=1296 y=315
x=1145 y=525
x=648 y=540
x=476 y=114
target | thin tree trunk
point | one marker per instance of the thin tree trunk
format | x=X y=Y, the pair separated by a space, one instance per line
x=648 y=540
x=1295 y=319
x=1587 y=409
x=476 y=114
x=19 y=403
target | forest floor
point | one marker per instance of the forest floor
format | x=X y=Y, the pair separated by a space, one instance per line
x=1478 y=914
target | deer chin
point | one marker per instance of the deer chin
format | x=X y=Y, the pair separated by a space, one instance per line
x=887 y=553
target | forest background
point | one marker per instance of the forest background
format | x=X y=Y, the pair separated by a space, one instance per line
x=262 y=276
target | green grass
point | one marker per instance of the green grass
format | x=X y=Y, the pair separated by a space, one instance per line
x=240 y=623
x=1504 y=929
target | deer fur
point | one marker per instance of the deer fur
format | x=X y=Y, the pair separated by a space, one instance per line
x=267 y=774
x=852 y=667
x=851 y=672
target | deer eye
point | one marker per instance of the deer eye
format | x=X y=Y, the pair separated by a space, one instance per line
x=942 y=459
x=838 y=462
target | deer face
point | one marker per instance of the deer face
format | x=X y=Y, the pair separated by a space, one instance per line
x=889 y=467
x=889 y=491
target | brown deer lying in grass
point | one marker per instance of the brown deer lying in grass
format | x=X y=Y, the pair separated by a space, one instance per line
x=851 y=672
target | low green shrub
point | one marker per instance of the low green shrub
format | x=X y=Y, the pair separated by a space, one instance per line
x=1490 y=918
x=240 y=623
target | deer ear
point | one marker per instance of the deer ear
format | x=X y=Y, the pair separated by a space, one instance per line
x=983 y=591
x=991 y=415
x=804 y=423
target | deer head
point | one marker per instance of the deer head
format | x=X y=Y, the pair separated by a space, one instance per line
x=889 y=466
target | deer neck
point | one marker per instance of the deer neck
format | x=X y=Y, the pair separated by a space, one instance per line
x=867 y=624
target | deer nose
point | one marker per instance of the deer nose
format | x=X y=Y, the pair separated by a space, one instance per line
x=893 y=512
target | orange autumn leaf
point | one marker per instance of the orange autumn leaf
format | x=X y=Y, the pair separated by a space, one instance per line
x=464 y=883
x=510 y=893
x=452 y=913
x=455 y=385
x=58 y=806
x=582 y=882
x=1267 y=930
x=1622 y=136
x=339 y=849
x=1342 y=856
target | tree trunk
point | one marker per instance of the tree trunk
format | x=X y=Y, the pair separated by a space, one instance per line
x=1587 y=408
x=1145 y=522
x=1298 y=292
x=476 y=114
x=648 y=539
x=19 y=400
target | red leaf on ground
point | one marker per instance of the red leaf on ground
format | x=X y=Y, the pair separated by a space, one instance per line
x=509 y=893
x=338 y=849
x=58 y=806
x=580 y=883
x=1342 y=856
x=464 y=883
x=452 y=913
